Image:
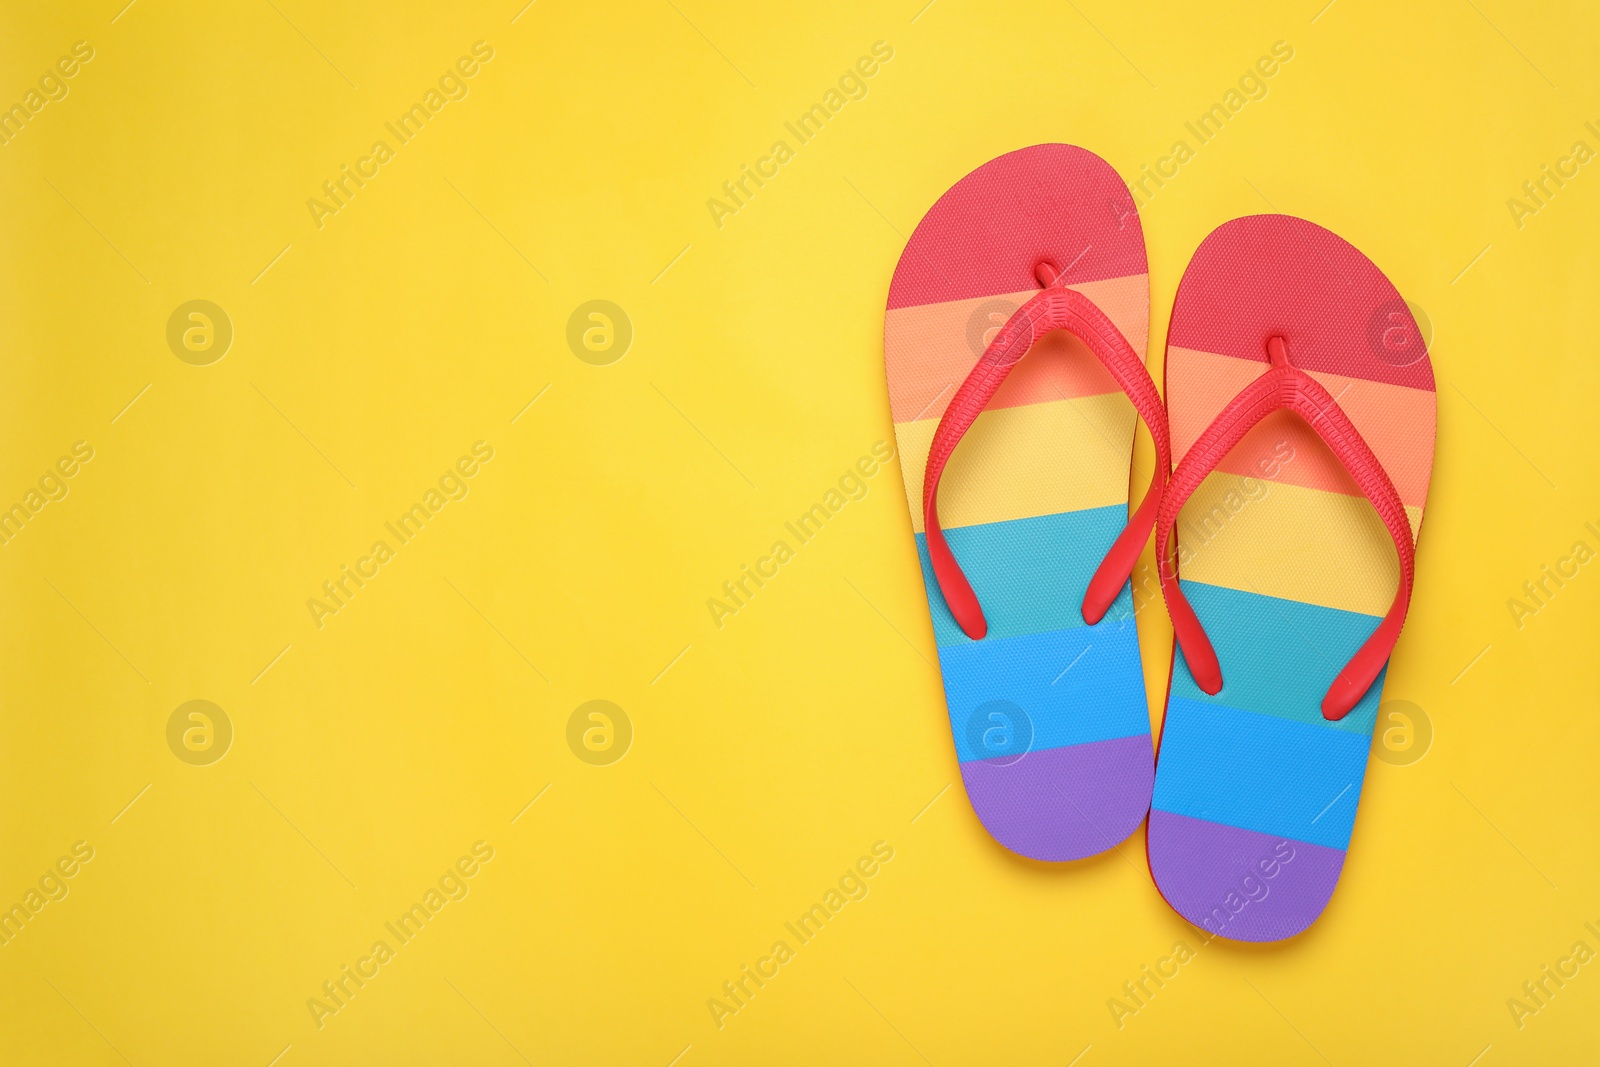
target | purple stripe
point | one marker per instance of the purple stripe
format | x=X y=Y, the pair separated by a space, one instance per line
x=1064 y=803
x=1240 y=884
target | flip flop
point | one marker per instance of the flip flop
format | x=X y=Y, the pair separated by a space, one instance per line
x=1017 y=321
x=1298 y=381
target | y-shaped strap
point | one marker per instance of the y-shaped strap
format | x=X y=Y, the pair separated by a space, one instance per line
x=1055 y=308
x=1287 y=387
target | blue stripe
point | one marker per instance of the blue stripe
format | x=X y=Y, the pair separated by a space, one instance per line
x=1030 y=574
x=1009 y=695
x=1260 y=772
x=1278 y=656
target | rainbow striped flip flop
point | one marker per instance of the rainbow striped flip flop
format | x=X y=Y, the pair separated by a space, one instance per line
x=1298 y=381
x=1027 y=545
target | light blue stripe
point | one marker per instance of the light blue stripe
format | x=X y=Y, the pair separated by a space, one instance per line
x=1029 y=574
x=1260 y=772
x=1007 y=695
x=1278 y=656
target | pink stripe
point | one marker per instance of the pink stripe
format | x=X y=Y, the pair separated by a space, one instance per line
x=1336 y=310
x=985 y=234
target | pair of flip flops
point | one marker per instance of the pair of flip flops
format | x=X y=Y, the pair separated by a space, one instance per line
x=1300 y=402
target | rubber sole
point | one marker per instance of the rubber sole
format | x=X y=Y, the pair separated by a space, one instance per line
x=1288 y=567
x=1049 y=715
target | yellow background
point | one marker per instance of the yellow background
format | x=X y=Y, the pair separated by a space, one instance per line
x=770 y=753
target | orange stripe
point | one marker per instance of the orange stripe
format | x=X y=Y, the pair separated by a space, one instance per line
x=1397 y=422
x=931 y=348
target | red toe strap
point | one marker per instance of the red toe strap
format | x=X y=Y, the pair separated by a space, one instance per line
x=1054 y=308
x=1287 y=387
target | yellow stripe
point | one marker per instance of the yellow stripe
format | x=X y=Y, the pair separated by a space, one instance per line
x=1291 y=542
x=1016 y=463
